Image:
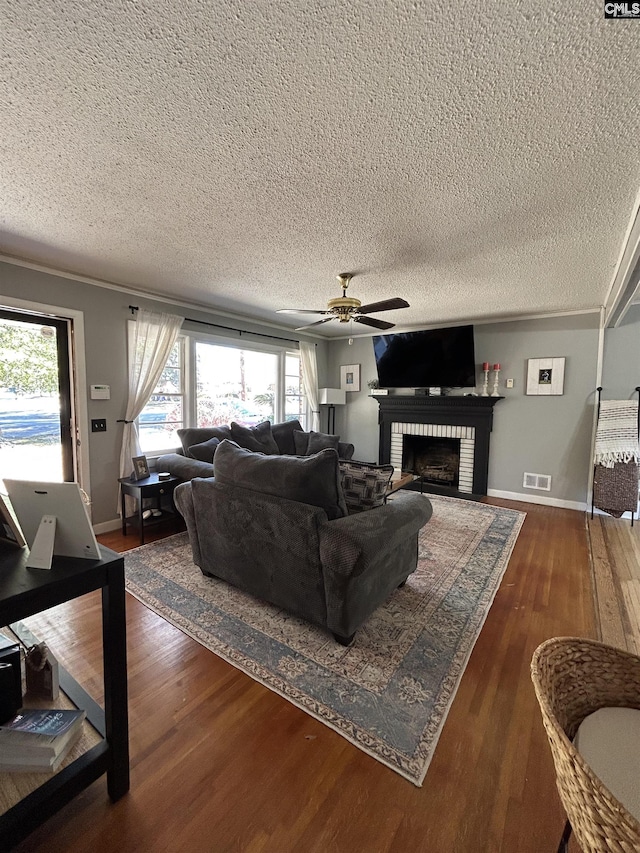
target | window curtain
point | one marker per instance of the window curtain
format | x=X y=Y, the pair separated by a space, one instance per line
x=154 y=337
x=310 y=381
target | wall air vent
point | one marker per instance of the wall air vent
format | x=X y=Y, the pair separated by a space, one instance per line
x=537 y=481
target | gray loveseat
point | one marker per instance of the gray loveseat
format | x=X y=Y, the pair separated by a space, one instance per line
x=278 y=527
x=199 y=444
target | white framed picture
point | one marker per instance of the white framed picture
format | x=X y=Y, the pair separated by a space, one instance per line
x=350 y=377
x=545 y=376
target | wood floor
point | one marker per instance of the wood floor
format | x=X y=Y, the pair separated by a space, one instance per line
x=615 y=546
x=221 y=764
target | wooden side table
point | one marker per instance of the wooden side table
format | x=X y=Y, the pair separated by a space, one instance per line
x=150 y=487
x=399 y=481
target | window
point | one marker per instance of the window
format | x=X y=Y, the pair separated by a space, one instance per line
x=234 y=385
x=295 y=403
x=208 y=382
x=163 y=415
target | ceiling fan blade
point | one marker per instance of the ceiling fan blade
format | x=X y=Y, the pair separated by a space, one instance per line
x=317 y=323
x=385 y=305
x=300 y=311
x=371 y=321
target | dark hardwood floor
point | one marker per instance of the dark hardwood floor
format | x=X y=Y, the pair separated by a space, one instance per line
x=221 y=764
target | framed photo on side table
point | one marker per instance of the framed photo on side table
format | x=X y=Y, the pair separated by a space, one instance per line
x=350 y=377
x=140 y=468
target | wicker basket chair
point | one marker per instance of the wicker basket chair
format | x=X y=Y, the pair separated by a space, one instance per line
x=573 y=678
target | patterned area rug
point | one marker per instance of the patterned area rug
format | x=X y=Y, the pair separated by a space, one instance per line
x=389 y=692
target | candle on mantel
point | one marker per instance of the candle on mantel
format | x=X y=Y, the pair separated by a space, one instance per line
x=485 y=365
x=496 y=367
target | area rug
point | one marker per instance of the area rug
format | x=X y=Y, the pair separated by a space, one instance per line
x=390 y=691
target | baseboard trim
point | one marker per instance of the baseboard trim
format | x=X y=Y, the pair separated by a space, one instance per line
x=107 y=526
x=538 y=499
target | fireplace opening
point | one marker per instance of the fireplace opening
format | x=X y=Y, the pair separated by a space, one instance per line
x=436 y=460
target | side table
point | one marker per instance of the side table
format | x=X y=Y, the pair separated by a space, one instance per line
x=149 y=487
x=25 y=591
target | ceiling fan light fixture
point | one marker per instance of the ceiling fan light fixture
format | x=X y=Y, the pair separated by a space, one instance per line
x=347 y=309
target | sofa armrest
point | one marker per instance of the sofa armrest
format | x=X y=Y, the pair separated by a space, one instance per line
x=373 y=531
x=367 y=555
x=183 y=499
x=183 y=467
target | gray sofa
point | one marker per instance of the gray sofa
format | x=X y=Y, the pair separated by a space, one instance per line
x=199 y=444
x=279 y=528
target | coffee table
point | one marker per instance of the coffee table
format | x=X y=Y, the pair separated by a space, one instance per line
x=398 y=481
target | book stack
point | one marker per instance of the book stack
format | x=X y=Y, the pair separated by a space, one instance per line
x=37 y=741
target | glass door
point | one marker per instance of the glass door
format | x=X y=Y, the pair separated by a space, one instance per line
x=36 y=406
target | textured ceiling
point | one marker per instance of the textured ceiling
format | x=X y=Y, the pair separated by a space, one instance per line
x=479 y=159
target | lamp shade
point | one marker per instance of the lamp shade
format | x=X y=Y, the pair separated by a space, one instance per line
x=332 y=397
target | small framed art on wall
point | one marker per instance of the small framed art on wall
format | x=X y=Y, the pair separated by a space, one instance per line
x=545 y=376
x=350 y=377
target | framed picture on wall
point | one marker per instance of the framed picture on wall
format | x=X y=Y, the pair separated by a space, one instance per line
x=545 y=376
x=350 y=377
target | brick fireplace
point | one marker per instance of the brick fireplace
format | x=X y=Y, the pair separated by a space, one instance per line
x=445 y=440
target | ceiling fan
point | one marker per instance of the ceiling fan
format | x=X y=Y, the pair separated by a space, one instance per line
x=345 y=308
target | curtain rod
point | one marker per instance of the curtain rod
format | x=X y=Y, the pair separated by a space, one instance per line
x=133 y=308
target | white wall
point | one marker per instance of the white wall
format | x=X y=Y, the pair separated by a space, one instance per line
x=621 y=372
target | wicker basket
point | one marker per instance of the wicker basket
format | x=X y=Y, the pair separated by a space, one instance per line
x=573 y=678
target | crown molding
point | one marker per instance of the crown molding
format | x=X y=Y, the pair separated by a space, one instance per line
x=153 y=296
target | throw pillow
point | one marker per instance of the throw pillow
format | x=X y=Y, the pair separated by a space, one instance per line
x=311 y=480
x=283 y=435
x=257 y=438
x=204 y=451
x=364 y=485
x=307 y=443
x=196 y=435
x=301 y=442
x=320 y=440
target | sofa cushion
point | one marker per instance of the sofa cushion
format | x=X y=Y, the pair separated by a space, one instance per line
x=609 y=741
x=364 y=484
x=257 y=438
x=321 y=440
x=307 y=443
x=205 y=450
x=311 y=480
x=283 y=435
x=300 y=442
x=196 y=435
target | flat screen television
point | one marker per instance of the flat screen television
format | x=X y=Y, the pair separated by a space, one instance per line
x=430 y=358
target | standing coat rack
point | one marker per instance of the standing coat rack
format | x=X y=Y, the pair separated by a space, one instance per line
x=617 y=454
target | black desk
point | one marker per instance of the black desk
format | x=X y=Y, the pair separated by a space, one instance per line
x=24 y=592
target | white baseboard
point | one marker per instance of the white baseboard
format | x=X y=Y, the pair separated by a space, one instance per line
x=538 y=499
x=107 y=526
